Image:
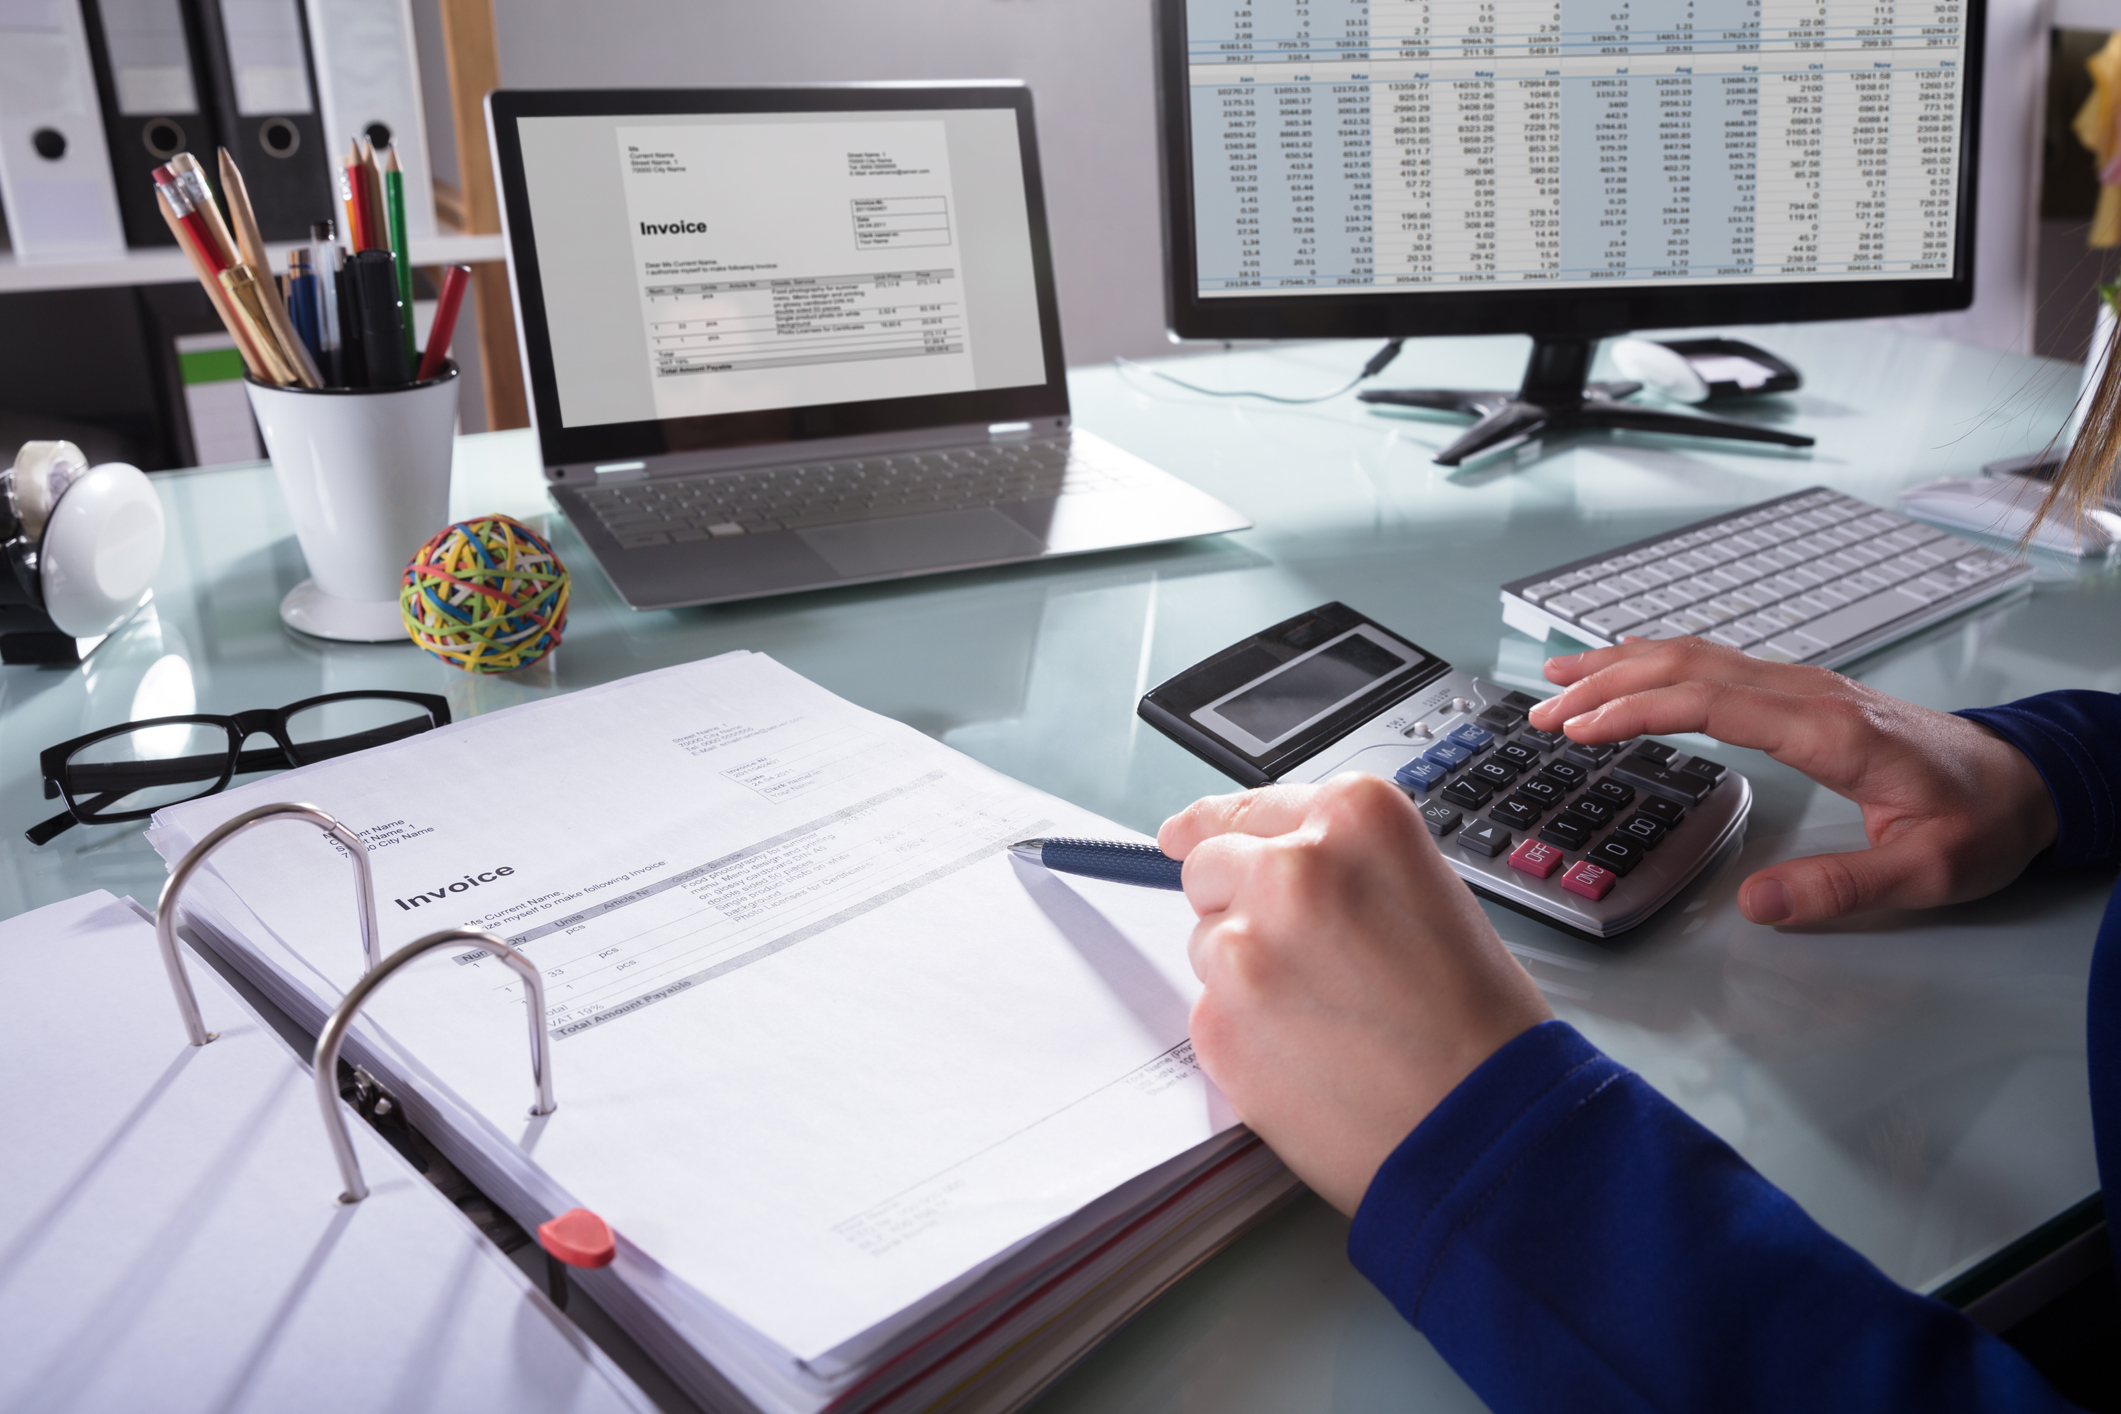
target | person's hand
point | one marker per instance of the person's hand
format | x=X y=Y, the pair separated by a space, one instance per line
x=1952 y=811
x=1352 y=981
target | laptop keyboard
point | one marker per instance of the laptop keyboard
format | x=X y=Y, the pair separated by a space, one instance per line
x=1812 y=577
x=711 y=506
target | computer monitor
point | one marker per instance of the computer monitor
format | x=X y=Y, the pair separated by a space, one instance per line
x=1568 y=169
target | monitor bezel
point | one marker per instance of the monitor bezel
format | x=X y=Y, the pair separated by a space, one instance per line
x=1045 y=402
x=1538 y=310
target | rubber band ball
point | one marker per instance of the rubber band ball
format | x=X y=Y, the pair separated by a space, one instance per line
x=485 y=595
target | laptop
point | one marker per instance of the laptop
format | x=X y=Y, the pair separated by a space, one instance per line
x=785 y=338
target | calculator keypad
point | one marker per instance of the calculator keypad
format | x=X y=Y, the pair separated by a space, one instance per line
x=1575 y=818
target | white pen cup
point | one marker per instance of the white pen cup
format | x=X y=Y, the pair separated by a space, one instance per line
x=365 y=473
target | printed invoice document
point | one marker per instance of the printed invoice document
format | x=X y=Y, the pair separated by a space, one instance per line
x=828 y=1059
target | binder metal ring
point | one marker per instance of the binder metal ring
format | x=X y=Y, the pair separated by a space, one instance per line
x=166 y=906
x=326 y=1065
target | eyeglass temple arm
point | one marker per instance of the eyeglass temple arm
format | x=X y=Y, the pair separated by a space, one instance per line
x=45 y=831
x=326 y=1064
x=166 y=907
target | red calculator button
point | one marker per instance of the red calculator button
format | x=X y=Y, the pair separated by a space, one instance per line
x=1536 y=858
x=1588 y=879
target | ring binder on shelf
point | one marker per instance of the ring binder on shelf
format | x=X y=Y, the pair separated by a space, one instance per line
x=166 y=906
x=368 y=85
x=326 y=1065
x=55 y=172
x=147 y=73
x=257 y=56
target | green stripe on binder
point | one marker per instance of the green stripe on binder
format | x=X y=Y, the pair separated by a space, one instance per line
x=210 y=366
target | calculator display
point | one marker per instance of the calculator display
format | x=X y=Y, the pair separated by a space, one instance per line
x=1272 y=700
x=1273 y=708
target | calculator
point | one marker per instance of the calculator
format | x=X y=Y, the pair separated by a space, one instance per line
x=1590 y=839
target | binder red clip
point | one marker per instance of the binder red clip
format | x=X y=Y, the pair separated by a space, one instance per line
x=579 y=1238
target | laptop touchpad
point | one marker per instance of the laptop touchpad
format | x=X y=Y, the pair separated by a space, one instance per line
x=866 y=548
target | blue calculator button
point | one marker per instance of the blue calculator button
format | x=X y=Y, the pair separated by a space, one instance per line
x=1472 y=738
x=1447 y=755
x=1419 y=775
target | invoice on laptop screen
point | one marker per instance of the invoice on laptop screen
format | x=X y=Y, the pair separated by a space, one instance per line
x=693 y=265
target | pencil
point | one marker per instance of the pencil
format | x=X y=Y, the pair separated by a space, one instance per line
x=190 y=242
x=372 y=200
x=191 y=176
x=394 y=221
x=352 y=193
x=251 y=242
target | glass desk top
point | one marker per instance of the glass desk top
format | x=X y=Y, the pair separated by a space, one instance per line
x=1915 y=1081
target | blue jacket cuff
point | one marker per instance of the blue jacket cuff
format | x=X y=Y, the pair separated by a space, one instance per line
x=1437 y=1179
x=2073 y=740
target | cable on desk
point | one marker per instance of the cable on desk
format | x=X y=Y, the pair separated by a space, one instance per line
x=1379 y=361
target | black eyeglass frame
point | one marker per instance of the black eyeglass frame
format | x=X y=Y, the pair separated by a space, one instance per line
x=284 y=754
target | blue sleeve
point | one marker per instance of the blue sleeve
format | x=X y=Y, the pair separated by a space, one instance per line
x=1569 y=1240
x=2074 y=741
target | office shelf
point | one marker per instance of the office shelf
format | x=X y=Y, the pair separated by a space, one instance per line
x=168 y=266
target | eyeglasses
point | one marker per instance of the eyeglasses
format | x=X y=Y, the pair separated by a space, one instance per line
x=130 y=772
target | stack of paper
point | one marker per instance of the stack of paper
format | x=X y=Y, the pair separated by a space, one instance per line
x=884 y=1119
x=172 y=1237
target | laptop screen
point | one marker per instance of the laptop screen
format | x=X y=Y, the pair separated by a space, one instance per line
x=728 y=268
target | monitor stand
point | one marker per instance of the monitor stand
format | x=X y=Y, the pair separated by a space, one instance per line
x=1556 y=398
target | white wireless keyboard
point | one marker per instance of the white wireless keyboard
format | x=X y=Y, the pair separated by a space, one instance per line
x=1813 y=577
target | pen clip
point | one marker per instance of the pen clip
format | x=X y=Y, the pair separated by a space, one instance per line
x=326 y=1063
x=166 y=906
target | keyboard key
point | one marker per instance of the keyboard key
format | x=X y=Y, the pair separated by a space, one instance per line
x=1485 y=839
x=1545 y=741
x=1569 y=605
x=1515 y=813
x=1536 y=858
x=1618 y=792
x=1666 y=812
x=1521 y=754
x=1419 y=775
x=1498 y=774
x=1566 y=833
x=1589 y=757
x=1643 y=831
x=1655 y=752
x=1593 y=811
x=1472 y=738
x=1447 y=754
x=1566 y=774
x=1467 y=794
x=1588 y=879
x=1500 y=718
x=1440 y=818
x=1710 y=771
x=1545 y=792
x=1616 y=854
x=637 y=542
x=1613 y=621
x=1676 y=784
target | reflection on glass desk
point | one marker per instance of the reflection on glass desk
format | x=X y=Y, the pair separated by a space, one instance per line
x=1916 y=1082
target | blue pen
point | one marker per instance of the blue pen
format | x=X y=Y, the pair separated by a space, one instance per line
x=302 y=304
x=1142 y=864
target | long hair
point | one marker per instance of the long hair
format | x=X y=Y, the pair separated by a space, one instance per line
x=2087 y=475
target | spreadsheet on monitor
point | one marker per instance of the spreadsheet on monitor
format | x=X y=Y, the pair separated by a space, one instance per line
x=1371 y=144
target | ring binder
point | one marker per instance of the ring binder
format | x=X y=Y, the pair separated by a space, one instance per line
x=326 y=1066
x=166 y=906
